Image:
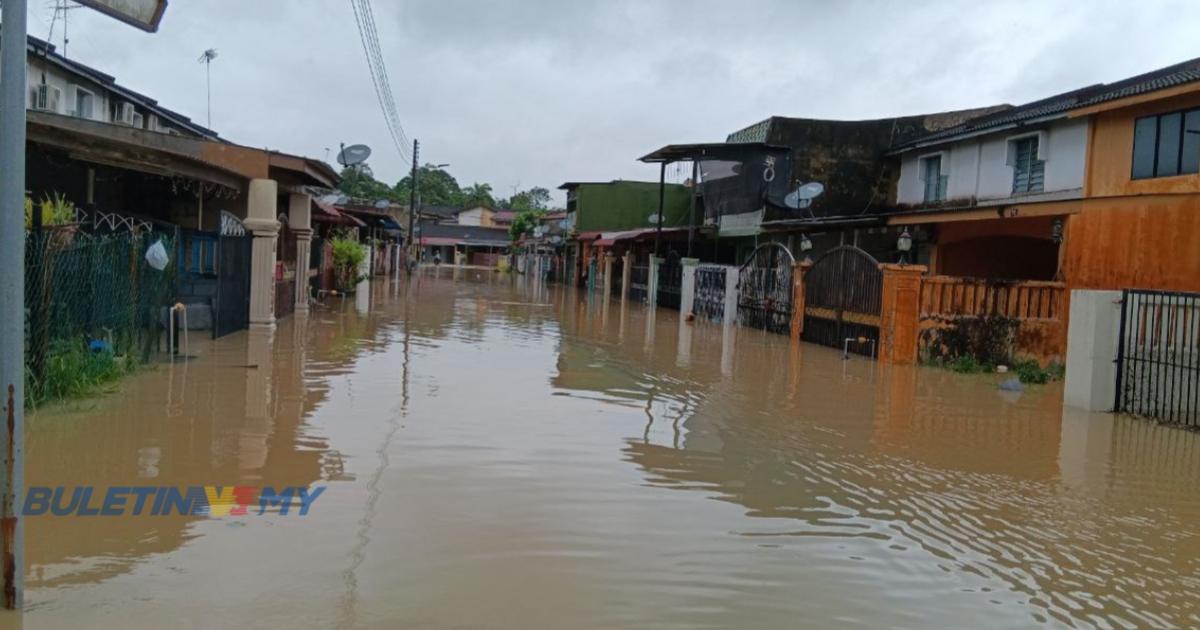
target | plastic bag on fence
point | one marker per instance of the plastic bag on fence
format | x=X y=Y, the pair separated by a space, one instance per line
x=156 y=255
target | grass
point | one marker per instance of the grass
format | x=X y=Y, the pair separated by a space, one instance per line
x=74 y=371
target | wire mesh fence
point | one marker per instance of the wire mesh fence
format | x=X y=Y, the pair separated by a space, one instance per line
x=91 y=307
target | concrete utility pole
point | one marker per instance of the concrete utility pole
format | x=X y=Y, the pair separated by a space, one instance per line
x=412 y=210
x=12 y=298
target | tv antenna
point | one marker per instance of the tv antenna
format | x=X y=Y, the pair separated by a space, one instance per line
x=206 y=58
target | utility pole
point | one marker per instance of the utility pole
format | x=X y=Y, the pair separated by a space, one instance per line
x=206 y=58
x=412 y=209
x=12 y=299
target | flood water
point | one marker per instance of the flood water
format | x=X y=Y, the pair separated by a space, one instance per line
x=501 y=454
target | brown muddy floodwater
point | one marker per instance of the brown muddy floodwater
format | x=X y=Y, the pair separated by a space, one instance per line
x=499 y=454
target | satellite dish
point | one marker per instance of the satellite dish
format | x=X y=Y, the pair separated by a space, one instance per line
x=556 y=240
x=382 y=204
x=653 y=219
x=538 y=231
x=803 y=196
x=353 y=154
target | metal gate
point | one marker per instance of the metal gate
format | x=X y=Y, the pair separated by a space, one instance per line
x=231 y=308
x=1158 y=356
x=765 y=289
x=843 y=292
x=670 y=284
x=709 y=299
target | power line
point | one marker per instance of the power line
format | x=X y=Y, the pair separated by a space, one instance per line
x=364 y=18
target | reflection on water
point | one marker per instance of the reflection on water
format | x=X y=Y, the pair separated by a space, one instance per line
x=501 y=453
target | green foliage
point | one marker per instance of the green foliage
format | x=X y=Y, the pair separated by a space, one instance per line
x=524 y=222
x=56 y=210
x=436 y=187
x=478 y=195
x=348 y=256
x=72 y=371
x=359 y=181
x=969 y=365
x=536 y=198
x=1029 y=371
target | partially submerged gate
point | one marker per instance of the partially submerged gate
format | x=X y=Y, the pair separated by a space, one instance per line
x=765 y=289
x=843 y=291
x=1158 y=356
x=231 y=311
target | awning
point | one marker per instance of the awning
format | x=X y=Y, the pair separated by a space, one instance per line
x=389 y=223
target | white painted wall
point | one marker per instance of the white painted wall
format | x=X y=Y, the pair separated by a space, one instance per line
x=977 y=167
x=476 y=216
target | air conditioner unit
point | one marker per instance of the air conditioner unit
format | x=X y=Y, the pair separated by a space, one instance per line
x=125 y=114
x=45 y=98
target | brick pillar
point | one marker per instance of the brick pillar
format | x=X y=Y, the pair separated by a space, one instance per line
x=900 y=314
x=626 y=274
x=799 y=271
x=261 y=221
x=687 y=290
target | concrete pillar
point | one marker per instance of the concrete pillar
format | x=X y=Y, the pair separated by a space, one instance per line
x=607 y=273
x=900 y=313
x=262 y=223
x=652 y=281
x=1091 y=379
x=626 y=274
x=687 y=291
x=799 y=272
x=731 y=296
x=300 y=222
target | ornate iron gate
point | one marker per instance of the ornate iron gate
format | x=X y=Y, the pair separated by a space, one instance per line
x=1158 y=356
x=843 y=292
x=765 y=289
x=709 y=301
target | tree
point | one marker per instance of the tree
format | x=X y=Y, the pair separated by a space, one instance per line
x=436 y=187
x=478 y=194
x=524 y=222
x=536 y=198
x=359 y=181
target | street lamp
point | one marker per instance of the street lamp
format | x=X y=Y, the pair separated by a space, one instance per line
x=805 y=246
x=904 y=244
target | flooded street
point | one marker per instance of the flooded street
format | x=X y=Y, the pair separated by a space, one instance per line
x=502 y=454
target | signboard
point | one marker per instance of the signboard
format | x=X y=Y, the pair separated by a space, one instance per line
x=144 y=14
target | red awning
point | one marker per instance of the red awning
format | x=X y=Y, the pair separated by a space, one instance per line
x=330 y=214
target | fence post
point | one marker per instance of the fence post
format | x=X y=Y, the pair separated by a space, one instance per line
x=607 y=273
x=300 y=220
x=687 y=289
x=1092 y=348
x=626 y=274
x=729 y=318
x=900 y=313
x=799 y=271
x=652 y=280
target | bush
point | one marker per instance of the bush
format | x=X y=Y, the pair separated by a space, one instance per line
x=72 y=370
x=1029 y=371
x=348 y=256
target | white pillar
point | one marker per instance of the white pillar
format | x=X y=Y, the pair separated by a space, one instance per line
x=731 y=296
x=607 y=286
x=652 y=281
x=687 y=291
x=1091 y=378
x=626 y=275
x=261 y=222
x=300 y=222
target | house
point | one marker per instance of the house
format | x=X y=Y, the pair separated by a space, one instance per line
x=463 y=244
x=476 y=215
x=619 y=216
x=1064 y=187
x=58 y=85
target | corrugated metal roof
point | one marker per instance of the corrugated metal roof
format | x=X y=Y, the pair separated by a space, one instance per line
x=1060 y=104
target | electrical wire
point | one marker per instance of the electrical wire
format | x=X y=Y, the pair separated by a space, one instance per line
x=364 y=18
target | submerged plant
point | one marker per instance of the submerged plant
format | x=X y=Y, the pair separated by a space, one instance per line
x=348 y=256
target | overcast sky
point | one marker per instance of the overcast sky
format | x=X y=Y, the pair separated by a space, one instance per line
x=538 y=92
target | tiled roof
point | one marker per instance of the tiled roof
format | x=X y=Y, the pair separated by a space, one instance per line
x=1060 y=104
x=465 y=232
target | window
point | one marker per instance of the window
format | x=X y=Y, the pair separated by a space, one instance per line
x=84 y=103
x=1166 y=144
x=1028 y=171
x=935 y=181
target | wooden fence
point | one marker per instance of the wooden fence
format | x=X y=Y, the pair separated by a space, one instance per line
x=1035 y=310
